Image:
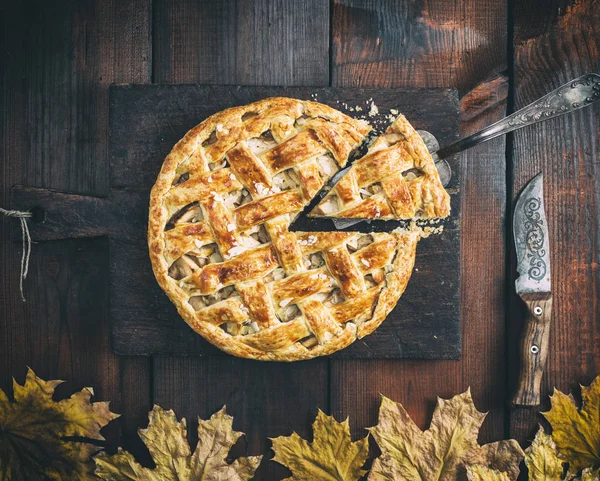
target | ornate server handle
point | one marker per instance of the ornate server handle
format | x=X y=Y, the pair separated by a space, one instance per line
x=571 y=96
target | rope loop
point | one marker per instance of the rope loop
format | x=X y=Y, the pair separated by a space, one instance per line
x=26 y=240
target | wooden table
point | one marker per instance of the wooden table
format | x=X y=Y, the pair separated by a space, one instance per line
x=59 y=59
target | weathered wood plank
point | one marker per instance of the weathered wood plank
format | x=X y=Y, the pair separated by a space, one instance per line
x=58 y=215
x=58 y=59
x=244 y=43
x=385 y=43
x=556 y=44
x=431 y=44
x=269 y=43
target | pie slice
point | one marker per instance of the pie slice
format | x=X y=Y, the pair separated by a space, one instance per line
x=396 y=179
x=220 y=246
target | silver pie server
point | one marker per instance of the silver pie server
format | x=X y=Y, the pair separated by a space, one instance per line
x=573 y=95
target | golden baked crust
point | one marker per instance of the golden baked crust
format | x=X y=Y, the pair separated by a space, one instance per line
x=220 y=246
x=396 y=179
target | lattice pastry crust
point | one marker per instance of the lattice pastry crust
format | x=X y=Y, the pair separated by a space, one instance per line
x=396 y=179
x=219 y=241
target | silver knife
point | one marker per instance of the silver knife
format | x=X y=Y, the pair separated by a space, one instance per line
x=573 y=95
x=530 y=231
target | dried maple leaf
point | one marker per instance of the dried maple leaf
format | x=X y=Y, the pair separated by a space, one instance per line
x=589 y=474
x=444 y=450
x=166 y=440
x=331 y=456
x=36 y=432
x=576 y=432
x=542 y=460
x=483 y=473
x=545 y=464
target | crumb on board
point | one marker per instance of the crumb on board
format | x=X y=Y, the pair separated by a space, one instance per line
x=370 y=112
x=374 y=110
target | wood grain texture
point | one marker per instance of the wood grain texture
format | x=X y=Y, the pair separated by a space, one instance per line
x=266 y=42
x=427 y=44
x=386 y=43
x=483 y=97
x=552 y=46
x=534 y=348
x=58 y=215
x=58 y=60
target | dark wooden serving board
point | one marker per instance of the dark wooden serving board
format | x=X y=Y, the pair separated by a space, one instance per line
x=146 y=121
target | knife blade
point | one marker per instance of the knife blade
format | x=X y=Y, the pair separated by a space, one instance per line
x=532 y=245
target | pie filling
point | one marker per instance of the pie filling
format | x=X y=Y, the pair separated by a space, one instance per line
x=183 y=269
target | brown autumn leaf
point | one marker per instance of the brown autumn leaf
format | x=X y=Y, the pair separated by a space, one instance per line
x=444 y=450
x=166 y=440
x=36 y=432
x=331 y=456
x=575 y=431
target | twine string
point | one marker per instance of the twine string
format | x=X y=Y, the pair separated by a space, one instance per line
x=26 y=240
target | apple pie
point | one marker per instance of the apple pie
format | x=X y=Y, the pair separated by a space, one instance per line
x=220 y=246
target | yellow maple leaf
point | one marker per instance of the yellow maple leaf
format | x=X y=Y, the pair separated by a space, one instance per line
x=444 y=450
x=331 y=456
x=478 y=472
x=36 y=432
x=576 y=432
x=166 y=440
x=542 y=460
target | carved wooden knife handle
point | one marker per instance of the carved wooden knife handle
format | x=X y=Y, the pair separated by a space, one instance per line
x=534 y=348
